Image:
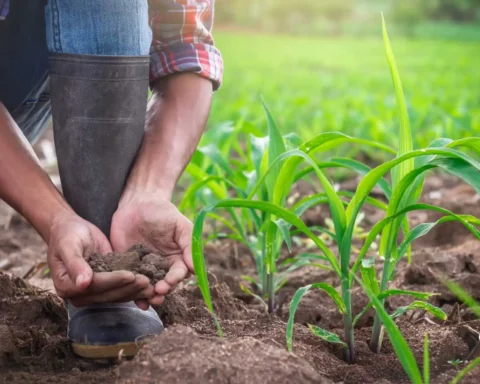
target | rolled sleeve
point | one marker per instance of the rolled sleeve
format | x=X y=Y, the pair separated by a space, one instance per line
x=182 y=40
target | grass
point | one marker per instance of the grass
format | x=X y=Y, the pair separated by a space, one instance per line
x=314 y=85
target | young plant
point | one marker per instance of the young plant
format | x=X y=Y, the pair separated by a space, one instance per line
x=402 y=195
x=278 y=170
x=407 y=183
x=455 y=363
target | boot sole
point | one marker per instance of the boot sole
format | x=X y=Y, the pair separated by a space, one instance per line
x=114 y=351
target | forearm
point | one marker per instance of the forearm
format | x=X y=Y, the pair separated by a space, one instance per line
x=23 y=183
x=176 y=118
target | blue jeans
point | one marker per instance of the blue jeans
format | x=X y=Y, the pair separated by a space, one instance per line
x=34 y=28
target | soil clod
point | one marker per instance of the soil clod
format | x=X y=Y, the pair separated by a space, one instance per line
x=138 y=259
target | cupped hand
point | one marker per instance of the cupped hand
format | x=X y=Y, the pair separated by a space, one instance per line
x=72 y=240
x=160 y=226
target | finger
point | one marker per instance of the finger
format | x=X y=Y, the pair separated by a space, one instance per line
x=184 y=241
x=142 y=304
x=178 y=271
x=64 y=286
x=71 y=253
x=144 y=294
x=105 y=281
x=187 y=258
x=162 y=288
x=116 y=295
x=103 y=245
x=157 y=300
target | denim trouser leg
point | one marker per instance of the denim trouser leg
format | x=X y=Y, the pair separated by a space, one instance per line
x=24 y=86
x=34 y=28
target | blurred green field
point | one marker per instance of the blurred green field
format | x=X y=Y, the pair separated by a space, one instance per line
x=315 y=85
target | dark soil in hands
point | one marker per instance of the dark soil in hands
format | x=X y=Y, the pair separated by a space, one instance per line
x=137 y=259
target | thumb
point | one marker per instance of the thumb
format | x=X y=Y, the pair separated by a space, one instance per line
x=184 y=241
x=77 y=268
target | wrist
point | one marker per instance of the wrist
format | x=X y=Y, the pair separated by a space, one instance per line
x=139 y=192
x=50 y=218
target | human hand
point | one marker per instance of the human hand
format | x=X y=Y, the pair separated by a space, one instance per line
x=157 y=224
x=71 y=242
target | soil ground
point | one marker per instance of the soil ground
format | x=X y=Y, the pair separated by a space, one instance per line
x=33 y=347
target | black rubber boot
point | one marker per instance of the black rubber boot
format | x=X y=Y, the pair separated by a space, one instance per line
x=98 y=107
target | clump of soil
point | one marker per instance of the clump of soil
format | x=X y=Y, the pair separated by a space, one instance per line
x=182 y=356
x=138 y=259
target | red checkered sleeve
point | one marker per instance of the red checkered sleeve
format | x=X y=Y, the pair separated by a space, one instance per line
x=182 y=39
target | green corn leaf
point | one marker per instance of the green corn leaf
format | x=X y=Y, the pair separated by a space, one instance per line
x=258 y=148
x=312 y=259
x=405 y=139
x=196 y=172
x=294 y=140
x=378 y=227
x=282 y=277
x=294 y=154
x=472 y=143
x=317 y=228
x=435 y=311
x=326 y=335
x=249 y=279
x=227 y=224
x=332 y=292
x=393 y=292
x=465 y=371
x=212 y=151
x=328 y=140
x=194 y=188
x=245 y=289
x=284 y=228
x=276 y=147
x=426 y=361
x=369 y=275
x=401 y=347
x=362 y=170
x=371 y=179
x=424 y=228
x=353 y=165
x=458 y=167
x=464 y=296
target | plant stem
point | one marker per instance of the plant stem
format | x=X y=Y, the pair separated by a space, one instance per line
x=271 y=293
x=377 y=330
x=348 y=322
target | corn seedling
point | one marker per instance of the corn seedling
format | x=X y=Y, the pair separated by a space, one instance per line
x=407 y=183
x=401 y=195
x=277 y=169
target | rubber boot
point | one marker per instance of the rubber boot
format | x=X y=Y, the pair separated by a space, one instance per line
x=98 y=107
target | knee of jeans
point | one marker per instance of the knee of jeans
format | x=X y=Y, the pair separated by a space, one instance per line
x=98 y=27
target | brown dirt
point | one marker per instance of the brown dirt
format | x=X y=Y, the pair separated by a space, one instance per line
x=138 y=260
x=33 y=347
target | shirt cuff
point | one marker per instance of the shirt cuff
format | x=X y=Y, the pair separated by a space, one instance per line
x=202 y=59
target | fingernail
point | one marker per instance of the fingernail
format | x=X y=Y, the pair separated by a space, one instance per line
x=80 y=280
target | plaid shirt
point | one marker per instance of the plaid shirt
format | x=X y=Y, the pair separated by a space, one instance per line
x=182 y=38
